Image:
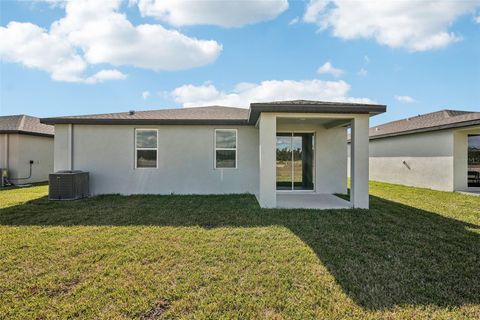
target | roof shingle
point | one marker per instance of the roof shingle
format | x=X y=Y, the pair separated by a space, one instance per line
x=442 y=119
x=24 y=124
x=217 y=114
x=213 y=114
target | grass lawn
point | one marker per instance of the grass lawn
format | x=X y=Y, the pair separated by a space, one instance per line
x=415 y=254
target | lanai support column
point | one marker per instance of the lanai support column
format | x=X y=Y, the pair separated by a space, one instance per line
x=359 y=162
x=267 y=124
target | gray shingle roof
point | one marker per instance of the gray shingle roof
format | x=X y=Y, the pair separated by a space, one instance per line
x=439 y=120
x=309 y=106
x=197 y=115
x=312 y=102
x=25 y=125
x=216 y=114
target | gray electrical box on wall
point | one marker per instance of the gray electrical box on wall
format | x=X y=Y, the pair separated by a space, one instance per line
x=68 y=185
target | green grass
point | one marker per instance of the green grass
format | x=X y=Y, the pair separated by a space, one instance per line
x=414 y=255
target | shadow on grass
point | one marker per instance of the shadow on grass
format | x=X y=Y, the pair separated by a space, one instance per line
x=390 y=255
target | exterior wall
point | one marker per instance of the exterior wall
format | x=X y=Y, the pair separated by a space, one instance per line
x=62 y=147
x=429 y=161
x=330 y=157
x=185 y=160
x=21 y=149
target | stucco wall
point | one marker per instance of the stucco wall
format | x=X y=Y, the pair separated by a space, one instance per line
x=185 y=160
x=23 y=148
x=428 y=160
x=61 y=146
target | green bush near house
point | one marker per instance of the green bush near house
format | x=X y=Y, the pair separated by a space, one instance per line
x=415 y=254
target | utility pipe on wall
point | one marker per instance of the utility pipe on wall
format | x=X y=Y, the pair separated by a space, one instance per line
x=6 y=147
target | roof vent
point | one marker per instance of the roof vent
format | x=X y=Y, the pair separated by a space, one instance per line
x=131 y=112
x=377 y=129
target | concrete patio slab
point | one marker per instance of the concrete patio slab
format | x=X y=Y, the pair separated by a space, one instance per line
x=310 y=201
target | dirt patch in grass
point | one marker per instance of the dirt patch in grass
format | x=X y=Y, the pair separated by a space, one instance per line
x=64 y=288
x=156 y=311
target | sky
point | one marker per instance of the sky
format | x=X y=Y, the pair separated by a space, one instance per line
x=99 y=56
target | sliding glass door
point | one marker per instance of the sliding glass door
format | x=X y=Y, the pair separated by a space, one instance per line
x=295 y=161
x=474 y=161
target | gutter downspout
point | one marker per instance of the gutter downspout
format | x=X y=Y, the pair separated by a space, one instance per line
x=7 y=147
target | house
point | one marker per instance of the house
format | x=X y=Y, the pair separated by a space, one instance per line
x=287 y=153
x=26 y=149
x=439 y=150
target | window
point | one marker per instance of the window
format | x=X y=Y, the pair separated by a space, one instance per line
x=146 y=141
x=225 y=148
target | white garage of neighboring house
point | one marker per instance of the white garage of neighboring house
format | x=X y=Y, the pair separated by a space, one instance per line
x=287 y=153
x=26 y=149
x=439 y=150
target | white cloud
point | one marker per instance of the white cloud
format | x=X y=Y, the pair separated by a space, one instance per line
x=405 y=99
x=104 y=75
x=328 y=68
x=94 y=32
x=294 y=21
x=366 y=59
x=244 y=93
x=362 y=72
x=232 y=13
x=106 y=36
x=145 y=95
x=411 y=24
x=313 y=9
x=477 y=19
x=34 y=47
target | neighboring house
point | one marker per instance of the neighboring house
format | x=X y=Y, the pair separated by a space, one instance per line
x=439 y=150
x=26 y=148
x=297 y=149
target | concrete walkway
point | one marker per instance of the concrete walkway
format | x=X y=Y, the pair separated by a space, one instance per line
x=310 y=201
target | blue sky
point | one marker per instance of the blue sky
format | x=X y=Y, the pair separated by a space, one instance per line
x=425 y=61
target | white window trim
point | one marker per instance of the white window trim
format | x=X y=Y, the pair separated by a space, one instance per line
x=136 y=149
x=234 y=149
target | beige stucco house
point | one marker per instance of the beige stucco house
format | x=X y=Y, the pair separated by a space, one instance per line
x=439 y=150
x=26 y=149
x=287 y=153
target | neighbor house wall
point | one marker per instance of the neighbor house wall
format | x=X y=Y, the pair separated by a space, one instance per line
x=185 y=160
x=21 y=149
x=420 y=160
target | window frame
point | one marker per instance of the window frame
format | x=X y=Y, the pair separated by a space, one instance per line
x=136 y=148
x=230 y=149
